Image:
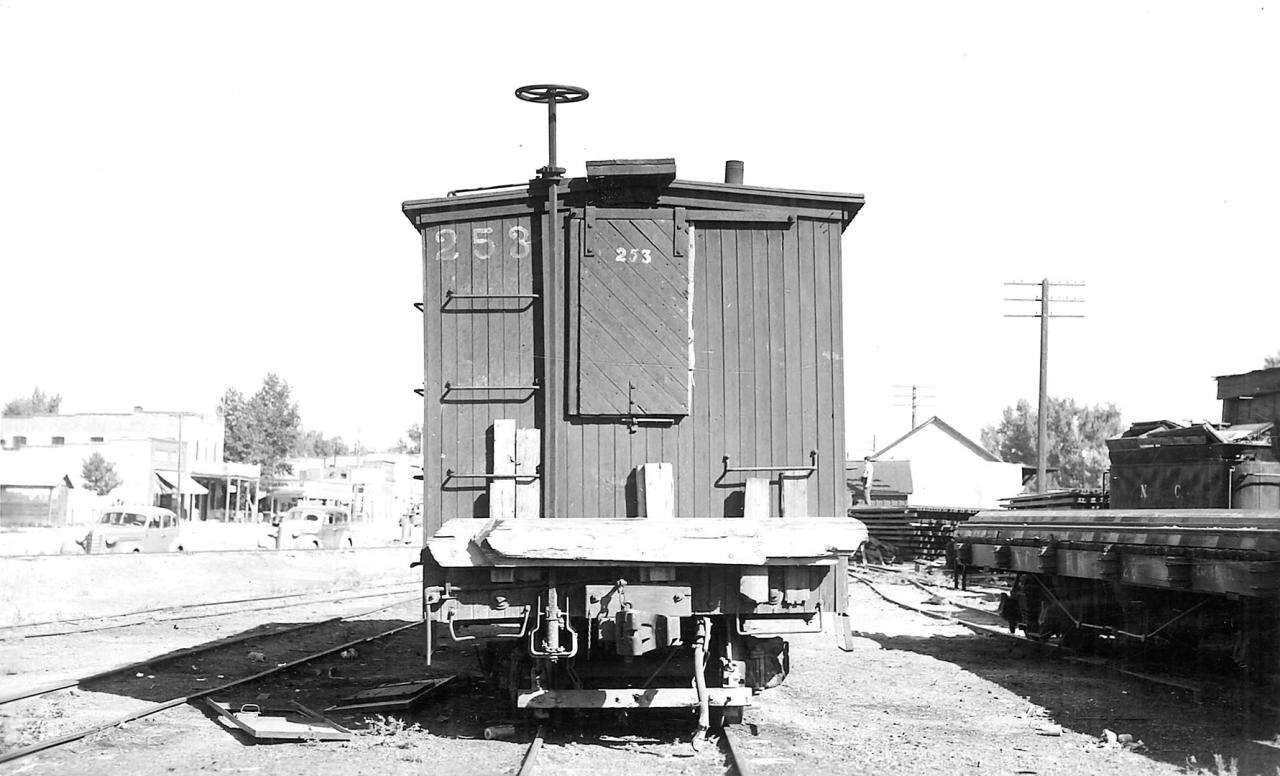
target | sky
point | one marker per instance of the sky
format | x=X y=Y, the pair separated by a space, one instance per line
x=194 y=195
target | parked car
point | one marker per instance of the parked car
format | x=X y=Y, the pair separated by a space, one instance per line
x=134 y=529
x=314 y=527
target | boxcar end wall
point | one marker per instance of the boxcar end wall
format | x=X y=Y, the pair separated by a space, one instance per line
x=678 y=322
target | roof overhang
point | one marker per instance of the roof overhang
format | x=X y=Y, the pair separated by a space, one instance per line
x=658 y=176
x=189 y=486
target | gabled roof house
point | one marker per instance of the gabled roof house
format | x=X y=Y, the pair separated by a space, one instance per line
x=950 y=470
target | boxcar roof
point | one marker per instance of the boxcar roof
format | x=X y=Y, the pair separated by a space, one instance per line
x=526 y=199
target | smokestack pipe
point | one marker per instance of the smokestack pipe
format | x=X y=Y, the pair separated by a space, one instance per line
x=733 y=171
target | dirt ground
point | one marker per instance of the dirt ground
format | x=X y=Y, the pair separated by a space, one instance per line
x=196 y=536
x=915 y=695
x=55 y=587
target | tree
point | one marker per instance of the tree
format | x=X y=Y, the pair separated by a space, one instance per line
x=1270 y=362
x=413 y=443
x=263 y=429
x=38 y=403
x=99 y=475
x=240 y=443
x=1077 y=439
x=315 y=444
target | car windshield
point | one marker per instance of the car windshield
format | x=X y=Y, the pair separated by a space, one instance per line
x=123 y=518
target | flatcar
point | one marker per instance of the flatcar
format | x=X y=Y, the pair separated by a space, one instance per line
x=633 y=430
x=1186 y=560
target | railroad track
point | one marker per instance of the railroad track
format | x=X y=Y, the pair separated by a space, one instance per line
x=193 y=691
x=989 y=623
x=734 y=763
x=185 y=612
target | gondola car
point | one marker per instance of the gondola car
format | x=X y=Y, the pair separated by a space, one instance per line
x=1186 y=560
x=633 y=445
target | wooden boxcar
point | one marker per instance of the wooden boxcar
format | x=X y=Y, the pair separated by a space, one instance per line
x=633 y=448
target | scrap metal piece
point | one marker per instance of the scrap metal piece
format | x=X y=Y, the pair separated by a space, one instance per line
x=397 y=696
x=292 y=722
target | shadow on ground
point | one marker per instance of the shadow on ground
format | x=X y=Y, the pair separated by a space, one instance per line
x=460 y=709
x=1089 y=699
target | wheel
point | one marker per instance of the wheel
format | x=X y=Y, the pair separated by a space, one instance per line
x=545 y=93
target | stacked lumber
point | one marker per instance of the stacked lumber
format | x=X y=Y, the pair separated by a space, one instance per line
x=913 y=532
x=1060 y=499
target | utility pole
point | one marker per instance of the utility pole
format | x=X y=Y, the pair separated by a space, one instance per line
x=177 y=485
x=916 y=398
x=1042 y=420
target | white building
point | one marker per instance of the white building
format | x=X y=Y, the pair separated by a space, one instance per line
x=947 y=469
x=143 y=447
x=377 y=487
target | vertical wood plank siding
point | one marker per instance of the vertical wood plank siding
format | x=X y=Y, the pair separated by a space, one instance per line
x=473 y=342
x=767 y=381
x=432 y=428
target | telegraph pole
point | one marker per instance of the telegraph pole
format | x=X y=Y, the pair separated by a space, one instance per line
x=916 y=398
x=1042 y=420
x=177 y=486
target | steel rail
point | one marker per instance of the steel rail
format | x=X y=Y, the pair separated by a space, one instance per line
x=70 y=683
x=189 y=651
x=1196 y=691
x=736 y=756
x=529 y=763
x=179 y=607
x=153 y=621
x=950 y=601
x=51 y=743
x=948 y=618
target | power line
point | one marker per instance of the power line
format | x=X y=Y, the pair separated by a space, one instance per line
x=916 y=397
x=1042 y=428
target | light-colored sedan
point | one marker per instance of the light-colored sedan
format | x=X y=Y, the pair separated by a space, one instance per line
x=314 y=527
x=134 y=529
